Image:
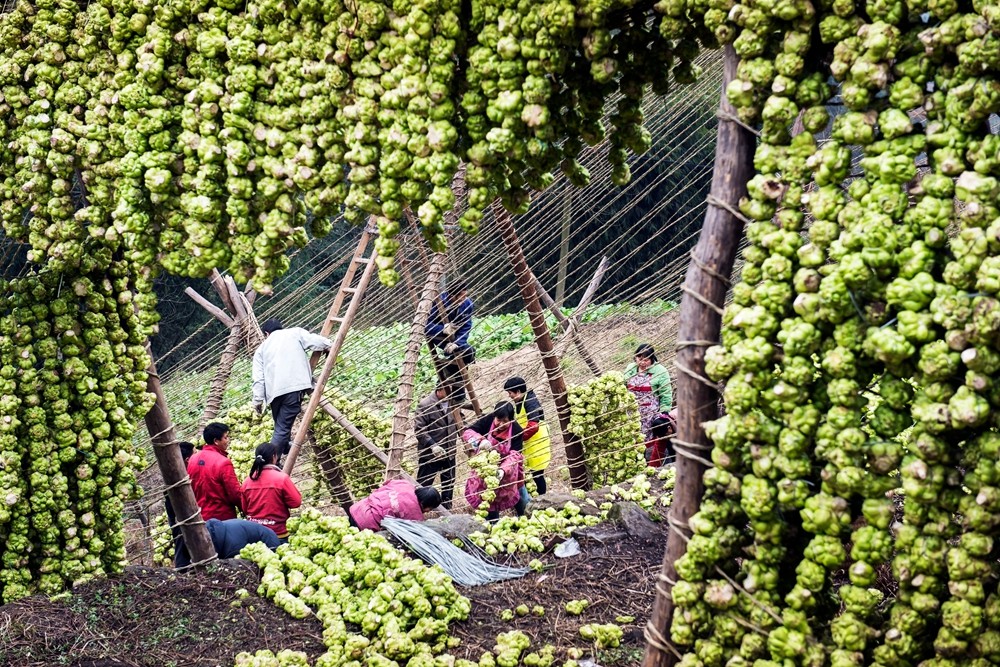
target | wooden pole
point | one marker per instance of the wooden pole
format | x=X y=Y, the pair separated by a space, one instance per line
x=456 y=410
x=220 y=378
x=404 y=396
x=564 y=323
x=216 y=312
x=333 y=473
x=557 y=383
x=697 y=399
x=175 y=477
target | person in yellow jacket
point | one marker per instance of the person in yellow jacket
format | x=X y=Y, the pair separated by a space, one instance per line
x=537 y=446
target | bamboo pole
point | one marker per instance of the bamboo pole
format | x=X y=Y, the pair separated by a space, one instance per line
x=175 y=477
x=557 y=383
x=404 y=396
x=572 y=330
x=704 y=295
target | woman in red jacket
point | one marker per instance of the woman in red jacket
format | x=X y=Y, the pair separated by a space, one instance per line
x=269 y=494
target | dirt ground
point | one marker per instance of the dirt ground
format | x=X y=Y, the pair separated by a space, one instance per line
x=152 y=617
x=155 y=617
x=617 y=579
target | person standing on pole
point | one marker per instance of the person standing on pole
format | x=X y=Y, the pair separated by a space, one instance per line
x=281 y=372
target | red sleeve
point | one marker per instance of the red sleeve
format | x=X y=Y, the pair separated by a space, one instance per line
x=530 y=430
x=231 y=486
x=293 y=498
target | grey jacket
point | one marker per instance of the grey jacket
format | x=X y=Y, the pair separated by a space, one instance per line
x=434 y=424
x=280 y=364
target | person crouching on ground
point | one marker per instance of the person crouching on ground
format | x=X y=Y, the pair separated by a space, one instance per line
x=398 y=499
x=229 y=537
x=501 y=432
x=268 y=494
x=660 y=449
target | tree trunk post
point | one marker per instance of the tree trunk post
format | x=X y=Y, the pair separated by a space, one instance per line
x=557 y=383
x=700 y=320
x=175 y=477
x=404 y=397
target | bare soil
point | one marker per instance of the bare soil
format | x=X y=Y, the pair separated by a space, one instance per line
x=152 y=617
x=156 y=617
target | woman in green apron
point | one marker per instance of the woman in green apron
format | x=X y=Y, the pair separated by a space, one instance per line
x=537 y=446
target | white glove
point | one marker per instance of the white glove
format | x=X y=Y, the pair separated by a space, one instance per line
x=451 y=348
x=438 y=452
x=500 y=474
x=483 y=445
x=258 y=407
x=449 y=330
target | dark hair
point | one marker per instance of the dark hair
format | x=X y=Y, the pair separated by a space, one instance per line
x=271 y=325
x=457 y=287
x=187 y=450
x=215 y=431
x=428 y=497
x=646 y=351
x=516 y=384
x=662 y=425
x=504 y=410
x=263 y=455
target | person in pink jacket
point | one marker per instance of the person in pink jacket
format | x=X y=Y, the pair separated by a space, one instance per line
x=396 y=498
x=501 y=432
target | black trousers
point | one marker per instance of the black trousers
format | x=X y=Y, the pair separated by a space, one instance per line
x=540 y=485
x=451 y=374
x=427 y=470
x=285 y=409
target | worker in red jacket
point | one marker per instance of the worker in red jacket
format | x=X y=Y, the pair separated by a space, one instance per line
x=213 y=478
x=268 y=494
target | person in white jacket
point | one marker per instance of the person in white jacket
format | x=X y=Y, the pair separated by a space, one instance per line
x=281 y=372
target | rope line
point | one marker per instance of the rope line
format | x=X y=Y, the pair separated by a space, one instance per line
x=712 y=200
x=657 y=640
x=701 y=299
x=725 y=115
x=697 y=376
x=707 y=269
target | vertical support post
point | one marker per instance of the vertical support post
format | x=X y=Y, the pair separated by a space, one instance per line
x=557 y=383
x=220 y=378
x=697 y=400
x=175 y=477
x=404 y=396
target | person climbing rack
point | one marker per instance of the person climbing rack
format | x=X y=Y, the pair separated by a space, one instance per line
x=449 y=332
x=281 y=372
